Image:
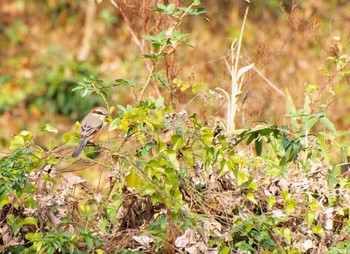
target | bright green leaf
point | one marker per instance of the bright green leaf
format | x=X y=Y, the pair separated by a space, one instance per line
x=177 y=142
x=285 y=194
x=172 y=158
x=225 y=166
x=250 y=196
x=310 y=217
x=33 y=236
x=241 y=177
x=318 y=230
x=270 y=202
x=4 y=201
x=29 y=221
x=161 y=146
x=290 y=206
x=114 y=124
x=314 y=205
x=49 y=128
x=17 y=142
x=286 y=234
x=84 y=208
x=328 y=124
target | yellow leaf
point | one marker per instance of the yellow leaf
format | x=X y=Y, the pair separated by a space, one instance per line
x=270 y=202
x=132 y=180
x=251 y=198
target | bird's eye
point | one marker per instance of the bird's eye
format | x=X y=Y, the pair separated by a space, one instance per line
x=98 y=112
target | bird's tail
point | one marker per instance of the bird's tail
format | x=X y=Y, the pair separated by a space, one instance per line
x=79 y=148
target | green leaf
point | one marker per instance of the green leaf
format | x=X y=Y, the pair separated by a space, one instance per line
x=17 y=142
x=225 y=250
x=271 y=200
x=149 y=190
x=178 y=36
x=129 y=83
x=89 y=242
x=285 y=194
x=171 y=154
x=155 y=166
x=187 y=152
x=166 y=9
x=314 y=205
x=13 y=223
x=195 y=11
x=33 y=236
x=327 y=123
x=159 y=102
x=310 y=217
x=318 y=230
x=250 y=196
x=290 y=206
x=49 y=128
x=241 y=177
x=332 y=176
x=145 y=150
x=225 y=166
x=29 y=221
x=311 y=120
x=254 y=136
x=162 y=80
x=153 y=57
x=258 y=146
x=324 y=149
x=161 y=146
x=286 y=234
x=177 y=142
x=4 y=201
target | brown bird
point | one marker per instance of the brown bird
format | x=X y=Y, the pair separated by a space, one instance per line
x=91 y=127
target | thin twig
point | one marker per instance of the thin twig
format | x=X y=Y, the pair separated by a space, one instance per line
x=269 y=82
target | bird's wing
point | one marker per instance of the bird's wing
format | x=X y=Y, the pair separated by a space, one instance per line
x=90 y=125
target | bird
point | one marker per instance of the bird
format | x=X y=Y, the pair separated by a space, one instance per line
x=91 y=127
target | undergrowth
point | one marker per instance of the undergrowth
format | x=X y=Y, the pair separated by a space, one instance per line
x=171 y=183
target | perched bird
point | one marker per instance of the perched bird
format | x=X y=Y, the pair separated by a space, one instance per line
x=90 y=128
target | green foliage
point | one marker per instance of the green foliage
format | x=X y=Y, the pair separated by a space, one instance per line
x=254 y=233
x=157 y=167
x=91 y=84
x=58 y=87
x=15 y=170
x=64 y=242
